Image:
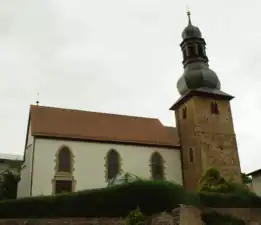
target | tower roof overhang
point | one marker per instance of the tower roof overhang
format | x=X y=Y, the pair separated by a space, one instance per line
x=202 y=92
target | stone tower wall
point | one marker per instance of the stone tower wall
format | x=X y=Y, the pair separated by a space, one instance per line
x=211 y=138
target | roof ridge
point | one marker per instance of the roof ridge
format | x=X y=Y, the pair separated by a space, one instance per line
x=102 y=113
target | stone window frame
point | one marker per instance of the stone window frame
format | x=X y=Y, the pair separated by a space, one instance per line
x=106 y=163
x=66 y=176
x=63 y=178
x=57 y=161
x=163 y=165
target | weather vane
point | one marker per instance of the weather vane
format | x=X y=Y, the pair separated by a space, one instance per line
x=188 y=13
x=37 y=100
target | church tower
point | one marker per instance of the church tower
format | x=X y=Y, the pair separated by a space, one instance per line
x=203 y=115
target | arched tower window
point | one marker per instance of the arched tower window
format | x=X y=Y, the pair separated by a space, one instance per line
x=157 y=166
x=214 y=108
x=113 y=164
x=184 y=113
x=64 y=160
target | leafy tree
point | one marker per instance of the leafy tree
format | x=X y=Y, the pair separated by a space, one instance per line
x=8 y=188
x=246 y=179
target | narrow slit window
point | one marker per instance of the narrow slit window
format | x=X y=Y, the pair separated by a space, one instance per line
x=191 y=155
x=184 y=113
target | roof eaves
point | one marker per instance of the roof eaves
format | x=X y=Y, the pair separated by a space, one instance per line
x=105 y=140
x=254 y=172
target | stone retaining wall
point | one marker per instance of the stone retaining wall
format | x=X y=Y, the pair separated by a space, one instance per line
x=184 y=215
x=249 y=215
x=65 y=221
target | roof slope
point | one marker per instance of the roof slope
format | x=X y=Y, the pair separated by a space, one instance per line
x=255 y=173
x=84 y=125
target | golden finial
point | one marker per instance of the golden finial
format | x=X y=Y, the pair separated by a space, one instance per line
x=188 y=13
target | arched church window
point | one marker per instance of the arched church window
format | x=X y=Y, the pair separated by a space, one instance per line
x=64 y=160
x=113 y=164
x=157 y=167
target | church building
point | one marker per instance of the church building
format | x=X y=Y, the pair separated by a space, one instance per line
x=70 y=150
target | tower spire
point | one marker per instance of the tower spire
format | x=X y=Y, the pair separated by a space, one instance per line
x=197 y=73
x=188 y=14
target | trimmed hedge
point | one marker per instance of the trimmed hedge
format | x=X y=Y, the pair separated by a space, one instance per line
x=238 y=197
x=230 y=200
x=117 y=201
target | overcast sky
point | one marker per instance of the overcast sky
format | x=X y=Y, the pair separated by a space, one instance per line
x=123 y=56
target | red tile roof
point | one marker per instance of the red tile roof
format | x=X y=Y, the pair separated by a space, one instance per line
x=94 y=126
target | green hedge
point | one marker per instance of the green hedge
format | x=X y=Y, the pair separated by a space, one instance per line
x=215 y=218
x=117 y=201
x=230 y=200
x=150 y=196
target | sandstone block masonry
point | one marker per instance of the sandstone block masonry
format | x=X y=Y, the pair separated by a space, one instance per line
x=183 y=215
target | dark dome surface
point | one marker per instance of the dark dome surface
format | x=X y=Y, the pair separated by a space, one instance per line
x=197 y=75
x=191 y=32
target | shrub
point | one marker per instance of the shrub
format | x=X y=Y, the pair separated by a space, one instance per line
x=212 y=181
x=215 y=218
x=135 y=217
x=246 y=179
x=8 y=186
x=230 y=200
x=215 y=191
x=117 y=201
